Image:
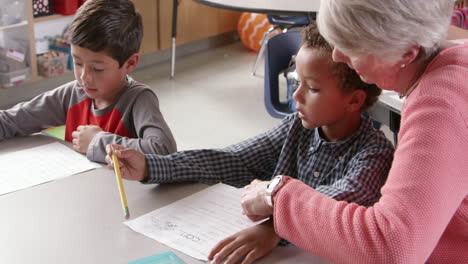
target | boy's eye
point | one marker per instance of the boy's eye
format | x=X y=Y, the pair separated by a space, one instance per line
x=98 y=70
x=78 y=64
x=313 y=89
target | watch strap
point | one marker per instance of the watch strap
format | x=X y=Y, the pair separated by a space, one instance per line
x=269 y=195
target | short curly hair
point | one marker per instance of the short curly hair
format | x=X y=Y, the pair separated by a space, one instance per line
x=349 y=80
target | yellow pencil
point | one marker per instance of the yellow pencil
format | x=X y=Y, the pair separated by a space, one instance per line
x=118 y=175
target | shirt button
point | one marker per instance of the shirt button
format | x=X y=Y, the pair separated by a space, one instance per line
x=316 y=174
x=340 y=157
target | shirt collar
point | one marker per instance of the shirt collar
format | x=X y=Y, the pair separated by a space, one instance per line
x=342 y=145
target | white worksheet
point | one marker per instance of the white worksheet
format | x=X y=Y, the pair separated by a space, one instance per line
x=29 y=167
x=195 y=224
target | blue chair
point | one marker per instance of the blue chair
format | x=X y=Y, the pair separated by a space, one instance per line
x=283 y=23
x=280 y=49
x=289 y=21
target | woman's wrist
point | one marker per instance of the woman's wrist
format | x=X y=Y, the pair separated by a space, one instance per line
x=273 y=187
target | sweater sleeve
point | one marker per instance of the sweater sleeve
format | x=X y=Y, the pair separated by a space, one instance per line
x=43 y=111
x=153 y=133
x=426 y=185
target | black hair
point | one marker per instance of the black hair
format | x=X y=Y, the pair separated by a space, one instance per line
x=349 y=79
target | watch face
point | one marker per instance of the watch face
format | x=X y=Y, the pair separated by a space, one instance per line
x=274 y=182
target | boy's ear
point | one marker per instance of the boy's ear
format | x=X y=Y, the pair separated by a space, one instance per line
x=132 y=62
x=356 y=100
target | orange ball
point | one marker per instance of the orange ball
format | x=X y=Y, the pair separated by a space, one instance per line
x=251 y=28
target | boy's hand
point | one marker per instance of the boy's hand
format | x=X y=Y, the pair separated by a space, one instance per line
x=132 y=163
x=83 y=136
x=247 y=245
x=254 y=201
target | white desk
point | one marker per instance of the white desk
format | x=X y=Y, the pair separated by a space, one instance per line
x=283 y=7
x=391 y=100
x=78 y=219
x=387 y=111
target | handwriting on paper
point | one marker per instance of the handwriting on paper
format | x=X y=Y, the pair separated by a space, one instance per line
x=196 y=223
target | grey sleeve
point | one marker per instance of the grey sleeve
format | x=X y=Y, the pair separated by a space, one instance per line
x=153 y=135
x=45 y=110
x=236 y=165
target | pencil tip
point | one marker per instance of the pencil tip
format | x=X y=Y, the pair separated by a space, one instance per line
x=126 y=213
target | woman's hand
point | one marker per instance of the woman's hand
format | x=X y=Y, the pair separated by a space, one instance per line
x=254 y=201
x=132 y=163
x=247 y=245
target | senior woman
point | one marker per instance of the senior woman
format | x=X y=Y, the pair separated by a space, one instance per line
x=422 y=215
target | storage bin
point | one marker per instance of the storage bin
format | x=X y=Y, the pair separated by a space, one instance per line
x=43 y=8
x=7 y=64
x=11 y=12
x=66 y=7
x=15 y=77
x=60 y=44
x=66 y=50
x=51 y=64
x=14 y=55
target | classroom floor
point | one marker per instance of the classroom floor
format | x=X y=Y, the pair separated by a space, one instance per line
x=214 y=100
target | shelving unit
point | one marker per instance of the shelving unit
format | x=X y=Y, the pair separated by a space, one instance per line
x=196 y=22
x=48 y=18
x=32 y=42
x=22 y=23
x=29 y=23
x=17 y=40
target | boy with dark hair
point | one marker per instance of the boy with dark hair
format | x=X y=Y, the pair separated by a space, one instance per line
x=103 y=105
x=327 y=144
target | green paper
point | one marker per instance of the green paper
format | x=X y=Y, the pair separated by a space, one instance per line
x=57 y=132
x=163 y=258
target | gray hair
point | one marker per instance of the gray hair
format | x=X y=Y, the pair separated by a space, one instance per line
x=385 y=28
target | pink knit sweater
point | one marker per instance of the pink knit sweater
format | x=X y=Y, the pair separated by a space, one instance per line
x=423 y=212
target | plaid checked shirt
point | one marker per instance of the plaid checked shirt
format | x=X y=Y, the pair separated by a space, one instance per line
x=353 y=169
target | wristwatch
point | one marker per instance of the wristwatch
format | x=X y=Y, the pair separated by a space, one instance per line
x=275 y=184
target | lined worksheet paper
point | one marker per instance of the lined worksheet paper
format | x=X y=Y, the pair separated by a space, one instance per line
x=196 y=223
x=29 y=167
